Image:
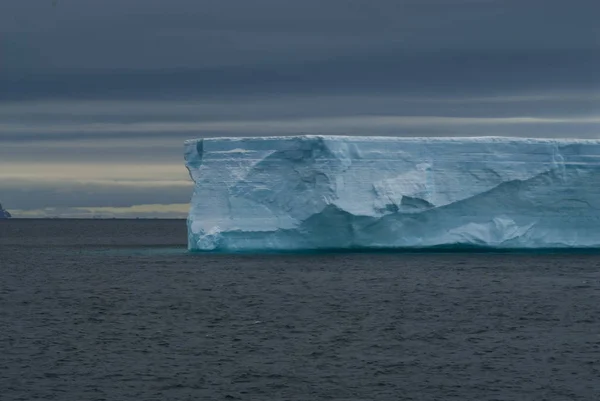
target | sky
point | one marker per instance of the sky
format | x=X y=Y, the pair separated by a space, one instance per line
x=97 y=97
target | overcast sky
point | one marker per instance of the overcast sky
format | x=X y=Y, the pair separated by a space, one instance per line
x=97 y=97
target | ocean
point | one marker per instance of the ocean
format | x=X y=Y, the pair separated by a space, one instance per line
x=119 y=310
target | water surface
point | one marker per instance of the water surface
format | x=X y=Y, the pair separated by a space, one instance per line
x=118 y=310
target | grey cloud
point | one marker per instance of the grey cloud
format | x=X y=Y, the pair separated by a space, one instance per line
x=163 y=125
x=123 y=82
x=548 y=102
x=439 y=73
x=153 y=131
x=116 y=147
x=165 y=211
x=161 y=143
x=56 y=194
x=199 y=34
x=132 y=49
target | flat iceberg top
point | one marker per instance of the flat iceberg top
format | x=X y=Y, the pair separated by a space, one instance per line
x=313 y=192
x=356 y=138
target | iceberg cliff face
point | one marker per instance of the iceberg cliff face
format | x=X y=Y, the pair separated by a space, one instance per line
x=334 y=192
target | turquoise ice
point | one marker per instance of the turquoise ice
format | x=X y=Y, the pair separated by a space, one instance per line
x=316 y=192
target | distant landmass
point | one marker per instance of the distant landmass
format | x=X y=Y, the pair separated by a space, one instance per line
x=4 y=213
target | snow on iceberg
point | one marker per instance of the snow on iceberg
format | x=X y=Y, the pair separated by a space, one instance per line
x=337 y=192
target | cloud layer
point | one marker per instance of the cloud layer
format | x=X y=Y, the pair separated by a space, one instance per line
x=98 y=97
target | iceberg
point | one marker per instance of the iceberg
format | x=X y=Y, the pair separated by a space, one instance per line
x=4 y=213
x=313 y=192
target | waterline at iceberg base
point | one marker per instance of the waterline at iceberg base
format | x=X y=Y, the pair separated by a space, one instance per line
x=310 y=193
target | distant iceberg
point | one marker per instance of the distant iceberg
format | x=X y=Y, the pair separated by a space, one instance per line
x=4 y=213
x=334 y=192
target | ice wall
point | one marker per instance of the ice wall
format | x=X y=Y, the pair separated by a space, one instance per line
x=335 y=192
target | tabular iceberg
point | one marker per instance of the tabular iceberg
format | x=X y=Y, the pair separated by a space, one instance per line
x=337 y=192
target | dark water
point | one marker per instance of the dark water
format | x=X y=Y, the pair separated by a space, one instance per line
x=117 y=310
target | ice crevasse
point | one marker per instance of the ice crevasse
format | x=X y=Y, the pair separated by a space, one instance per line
x=312 y=192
